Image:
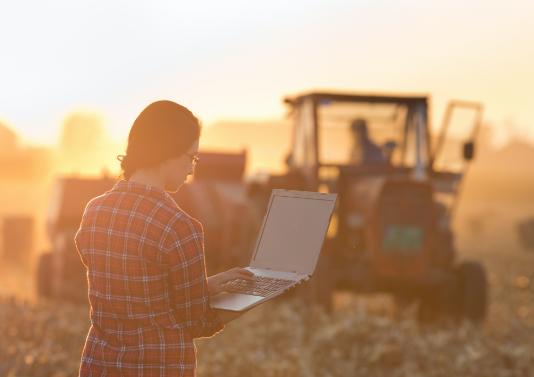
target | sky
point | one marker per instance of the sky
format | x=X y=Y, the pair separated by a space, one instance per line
x=237 y=59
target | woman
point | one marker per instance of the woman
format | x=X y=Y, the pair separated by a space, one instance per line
x=148 y=290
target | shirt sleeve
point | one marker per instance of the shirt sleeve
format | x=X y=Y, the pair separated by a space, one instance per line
x=191 y=296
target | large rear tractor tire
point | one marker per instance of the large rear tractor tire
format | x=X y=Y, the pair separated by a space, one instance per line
x=441 y=303
x=473 y=291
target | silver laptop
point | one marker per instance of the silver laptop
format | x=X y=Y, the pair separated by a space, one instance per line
x=287 y=249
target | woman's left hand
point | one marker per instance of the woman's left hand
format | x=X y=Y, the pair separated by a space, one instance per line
x=215 y=282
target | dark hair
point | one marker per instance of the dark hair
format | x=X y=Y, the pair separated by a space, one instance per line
x=163 y=130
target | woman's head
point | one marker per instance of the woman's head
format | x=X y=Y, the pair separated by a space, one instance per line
x=161 y=137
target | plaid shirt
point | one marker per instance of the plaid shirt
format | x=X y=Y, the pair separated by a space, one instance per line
x=147 y=284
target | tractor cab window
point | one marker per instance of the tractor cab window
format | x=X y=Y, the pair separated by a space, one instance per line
x=304 y=154
x=460 y=127
x=355 y=133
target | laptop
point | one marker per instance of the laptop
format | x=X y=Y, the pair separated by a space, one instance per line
x=287 y=248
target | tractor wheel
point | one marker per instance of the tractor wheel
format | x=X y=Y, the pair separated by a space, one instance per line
x=44 y=275
x=441 y=302
x=426 y=312
x=473 y=291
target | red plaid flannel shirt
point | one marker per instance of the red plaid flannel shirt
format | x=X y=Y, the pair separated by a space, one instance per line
x=147 y=284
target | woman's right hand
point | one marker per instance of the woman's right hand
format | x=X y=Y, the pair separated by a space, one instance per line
x=216 y=283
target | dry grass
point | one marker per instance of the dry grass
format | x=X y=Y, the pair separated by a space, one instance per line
x=44 y=339
x=369 y=336
x=364 y=336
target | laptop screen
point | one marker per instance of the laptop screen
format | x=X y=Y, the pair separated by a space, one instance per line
x=293 y=232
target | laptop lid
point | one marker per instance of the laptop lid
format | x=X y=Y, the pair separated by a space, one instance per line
x=293 y=231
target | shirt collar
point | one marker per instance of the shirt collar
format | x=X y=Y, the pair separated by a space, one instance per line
x=142 y=189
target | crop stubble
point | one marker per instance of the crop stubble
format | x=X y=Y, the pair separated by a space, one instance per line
x=364 y=336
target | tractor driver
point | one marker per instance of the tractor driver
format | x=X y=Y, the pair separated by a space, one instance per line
x=364 y=150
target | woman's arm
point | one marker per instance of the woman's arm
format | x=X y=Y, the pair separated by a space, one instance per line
x=217 y=284
x=189 y=284
x=187 y=272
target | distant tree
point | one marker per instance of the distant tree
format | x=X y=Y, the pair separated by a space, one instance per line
x=81 y=133
x=81 y=143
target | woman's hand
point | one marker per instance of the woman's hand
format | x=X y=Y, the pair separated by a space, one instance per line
x=215 y=282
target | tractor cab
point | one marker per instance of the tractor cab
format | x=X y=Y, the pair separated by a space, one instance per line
x=363 y=134
x=371 y=135
x=397 y=184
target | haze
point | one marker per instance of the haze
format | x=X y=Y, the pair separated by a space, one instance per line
x=73 y=77
x=235 y=59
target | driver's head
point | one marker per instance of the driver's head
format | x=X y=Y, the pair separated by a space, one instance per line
x=359 y=126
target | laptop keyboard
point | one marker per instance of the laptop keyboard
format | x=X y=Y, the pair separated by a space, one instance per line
x=260 y=286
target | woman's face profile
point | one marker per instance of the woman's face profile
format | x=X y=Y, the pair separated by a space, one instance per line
x=177 y=169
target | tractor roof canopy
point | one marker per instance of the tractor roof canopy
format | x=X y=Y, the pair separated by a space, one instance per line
x=358 y=97
x=356 y=129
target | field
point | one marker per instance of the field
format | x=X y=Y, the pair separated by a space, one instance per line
x=364 y=336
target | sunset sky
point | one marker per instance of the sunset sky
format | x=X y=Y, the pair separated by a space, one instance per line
x=236 y=59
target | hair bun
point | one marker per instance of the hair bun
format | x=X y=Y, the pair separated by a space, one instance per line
x=126 y=161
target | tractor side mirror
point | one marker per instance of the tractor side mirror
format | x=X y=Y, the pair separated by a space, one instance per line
x=469 y=151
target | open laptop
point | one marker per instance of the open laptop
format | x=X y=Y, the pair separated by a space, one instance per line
x=287 y=249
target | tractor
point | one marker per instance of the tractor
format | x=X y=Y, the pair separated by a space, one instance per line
x=398 y=188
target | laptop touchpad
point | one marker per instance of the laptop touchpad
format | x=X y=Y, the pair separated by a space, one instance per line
x=233 y=301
